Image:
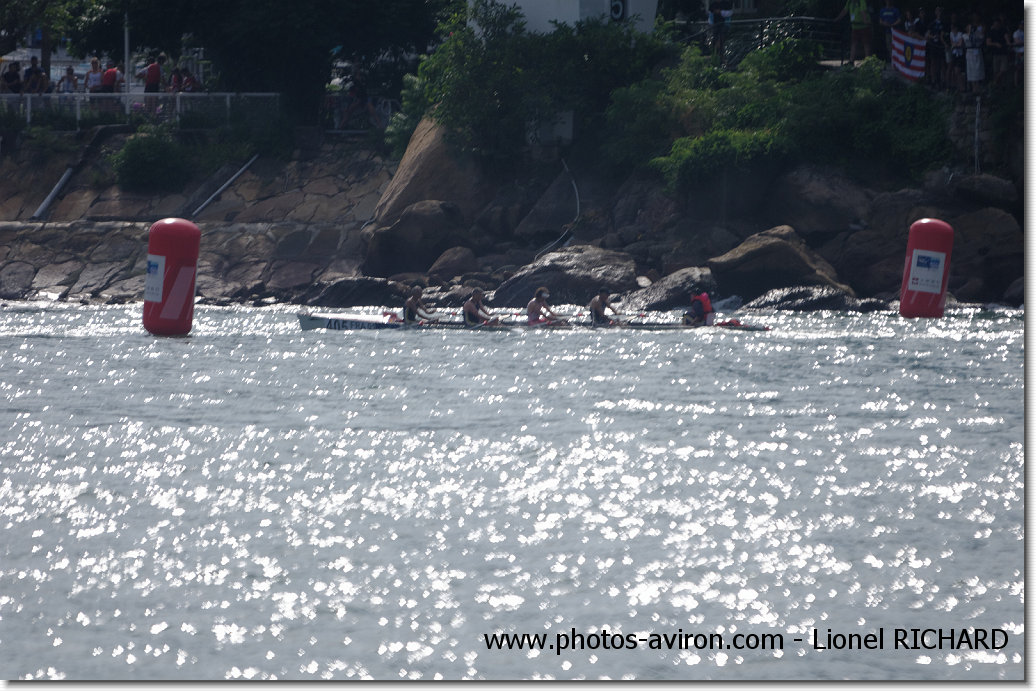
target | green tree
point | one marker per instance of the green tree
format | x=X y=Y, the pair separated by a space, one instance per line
x=695 y=120
x=21 y=17
x=491 y=79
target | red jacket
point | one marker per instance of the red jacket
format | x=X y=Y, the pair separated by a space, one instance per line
x=153 y=74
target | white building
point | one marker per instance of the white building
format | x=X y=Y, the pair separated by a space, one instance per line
x=540 y=13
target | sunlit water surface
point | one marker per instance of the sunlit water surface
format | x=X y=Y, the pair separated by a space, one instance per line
x=256 y=502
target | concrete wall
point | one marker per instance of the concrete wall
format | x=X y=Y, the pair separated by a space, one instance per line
x=540 y=13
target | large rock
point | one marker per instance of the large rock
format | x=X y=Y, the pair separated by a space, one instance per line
x=431 y=170
x=989 y=245
x=16 y=280
x=420 y=235
x=814 y=199
x=573 y=275
x=671 y=291
x=641 y=205
x=501 y=217
x=776 y=258
x=871 y=259
x=454 y=262
x=362 y=290
x=987 y=189
x=556 y=208
x=809 y=298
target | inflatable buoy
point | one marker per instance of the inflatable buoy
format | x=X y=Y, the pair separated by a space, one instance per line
x=926 y=269
x=172 y=263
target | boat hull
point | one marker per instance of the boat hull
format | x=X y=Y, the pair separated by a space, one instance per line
x=344 y=322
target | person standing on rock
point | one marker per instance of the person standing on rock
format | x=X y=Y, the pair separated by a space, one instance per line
x=701 y=313
x=475 y=313
x=415 y=311
x=539 y=312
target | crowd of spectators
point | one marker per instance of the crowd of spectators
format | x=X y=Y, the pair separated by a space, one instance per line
x=964 y=51
x=110 y=79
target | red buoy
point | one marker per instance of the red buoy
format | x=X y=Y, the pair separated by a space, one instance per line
x=926 y=270
x=172 y=263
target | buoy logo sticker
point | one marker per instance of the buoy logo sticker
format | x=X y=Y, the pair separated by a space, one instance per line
x=155 y=278
x=926 y=271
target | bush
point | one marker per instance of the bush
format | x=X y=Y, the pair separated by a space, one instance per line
x=152 y=161
x=791 y=59
x=403 y=123
x=694 y=160
x=776 y=108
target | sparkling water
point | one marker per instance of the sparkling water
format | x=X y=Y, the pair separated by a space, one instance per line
x=838 y=498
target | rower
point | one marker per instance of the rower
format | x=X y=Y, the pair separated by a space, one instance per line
x=701 y=312
x=597 y=307
x=414 y=310
x=475 y=313
x=538 y=310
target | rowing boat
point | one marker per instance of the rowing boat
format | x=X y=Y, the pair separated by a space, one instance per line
x=388 y=320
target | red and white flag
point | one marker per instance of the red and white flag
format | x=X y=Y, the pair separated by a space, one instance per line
x=908 y=55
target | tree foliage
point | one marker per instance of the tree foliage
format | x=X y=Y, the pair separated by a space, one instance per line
x=52 y=18
x=694 y=120
x=491 y=80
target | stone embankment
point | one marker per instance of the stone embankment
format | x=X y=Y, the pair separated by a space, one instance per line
x=340 y=226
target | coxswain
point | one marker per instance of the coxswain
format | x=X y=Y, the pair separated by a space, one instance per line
x=414 y=310
x=597 y=307
x=701 y=313
x=475 y=313
x=538 y=310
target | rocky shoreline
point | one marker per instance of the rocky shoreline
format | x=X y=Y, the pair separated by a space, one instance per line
x=341 y=227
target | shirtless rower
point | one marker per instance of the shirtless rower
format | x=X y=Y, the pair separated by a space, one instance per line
x=597 y=307
x=539 y=311
x=414 y=310
x=475 y=313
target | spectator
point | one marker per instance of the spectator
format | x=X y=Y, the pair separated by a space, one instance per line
x=152 y=75
x=1018 y=47
x=719 y=19
x=997 y=48
x=176 y=80
x=93 y=77
x=109 y=79
x=359 y=98
x=956 y=55
x=12 y=79
x=860 y=23
x=935 y=50
x=917 y=25
x=34 y=81
x=974 y=63
x=189 y=82
x=69 y=83
x=890 y=18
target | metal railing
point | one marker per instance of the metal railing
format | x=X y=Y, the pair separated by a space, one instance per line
x=743 y=36
x=78 y=110
x=340 y=112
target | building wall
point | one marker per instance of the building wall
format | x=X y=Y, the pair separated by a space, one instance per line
x=540 y=13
